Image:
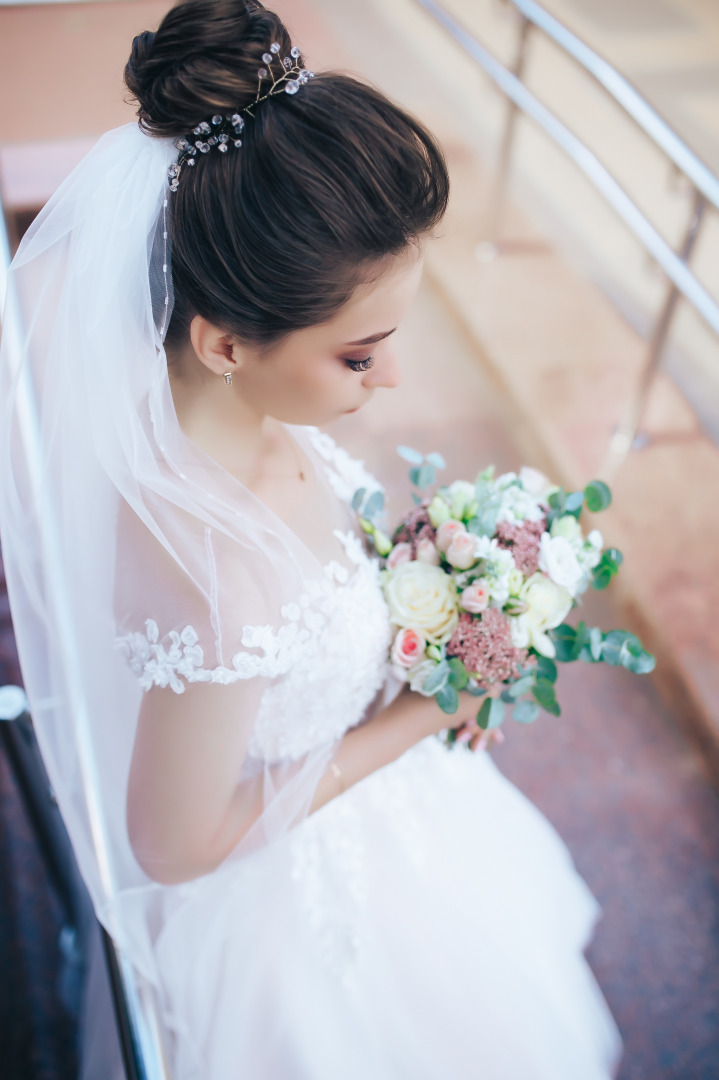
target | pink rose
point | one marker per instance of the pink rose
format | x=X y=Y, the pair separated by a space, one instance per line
x=462 y=552
x=427 y=552
x=475 y=598
x=447 y=532
x=402 y=553
x=408 y=648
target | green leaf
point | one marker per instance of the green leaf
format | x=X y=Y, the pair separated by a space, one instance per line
x=448 y=699
x=574 y=503
x=436 y=679
x=558 y=499
x=416 y=499
x=437 y=460
x=414 y=475
x=564 y=638
x=525 y=712
x=635 y=658
x=521 y=686
x=596 y=641
x=543 y=691
x=491 y=714
x=426 y=476
x=614 y=645
x=581 y=639
x=374 y=505
x=358 y=498
x=413 y=456
x=612 y=559
x=601 y=578
x=546 y=669
x=598 y=496
x=458 y=676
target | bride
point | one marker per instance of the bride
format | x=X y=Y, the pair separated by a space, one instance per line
x=313 y=886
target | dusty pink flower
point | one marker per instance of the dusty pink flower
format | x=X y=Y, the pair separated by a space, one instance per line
x=399 y=554
x=447 y=532
x=523 y=541
x=484 y=644
x=415 y=526
x=427 y=552
x=408 y=648
x=462 y=552
x=475 y=598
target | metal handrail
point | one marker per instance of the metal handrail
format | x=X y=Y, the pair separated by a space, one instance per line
x=705 y=185
x=627 y=96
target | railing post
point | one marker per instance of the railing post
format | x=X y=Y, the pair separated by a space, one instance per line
x=625 y=436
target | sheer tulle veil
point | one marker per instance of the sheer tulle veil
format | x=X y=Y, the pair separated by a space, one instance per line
x=132 y=558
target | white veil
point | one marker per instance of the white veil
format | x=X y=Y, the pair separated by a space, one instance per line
x=132 y=558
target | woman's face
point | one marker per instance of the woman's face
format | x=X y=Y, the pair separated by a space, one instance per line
x=316 y=375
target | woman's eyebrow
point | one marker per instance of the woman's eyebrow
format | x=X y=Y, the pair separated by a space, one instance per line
x=374 y=339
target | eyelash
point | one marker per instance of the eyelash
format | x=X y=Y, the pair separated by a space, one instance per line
x=360 y=365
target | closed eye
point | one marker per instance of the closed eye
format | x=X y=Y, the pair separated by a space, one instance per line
x=360 y=365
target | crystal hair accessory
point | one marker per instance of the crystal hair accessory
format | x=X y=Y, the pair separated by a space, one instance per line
x=223 y=132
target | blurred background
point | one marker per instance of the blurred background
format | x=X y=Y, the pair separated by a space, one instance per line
x=568 y=320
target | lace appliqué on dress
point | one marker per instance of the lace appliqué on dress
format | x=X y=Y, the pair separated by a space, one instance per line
x=184 y=658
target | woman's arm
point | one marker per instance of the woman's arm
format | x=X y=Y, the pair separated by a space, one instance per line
x=185 y=809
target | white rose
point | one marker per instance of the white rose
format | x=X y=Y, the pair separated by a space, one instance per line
x=535 y=482
x=548 y=605
x=417 y=676
x=596 y=539
x=566 y=526
x=422 y=597
x=558 y=560
x=520 y=631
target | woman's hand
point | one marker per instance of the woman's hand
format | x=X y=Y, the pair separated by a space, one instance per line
x=432 y=720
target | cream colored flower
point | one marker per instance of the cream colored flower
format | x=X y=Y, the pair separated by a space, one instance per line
x=422 y=597
x=548 y=606
x=557 y=558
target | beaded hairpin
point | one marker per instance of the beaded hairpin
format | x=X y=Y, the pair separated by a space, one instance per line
x=225 y=131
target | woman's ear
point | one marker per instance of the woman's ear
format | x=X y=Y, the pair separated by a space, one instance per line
x=214 y=347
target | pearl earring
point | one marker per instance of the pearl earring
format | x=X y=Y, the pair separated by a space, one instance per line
x=228 y=377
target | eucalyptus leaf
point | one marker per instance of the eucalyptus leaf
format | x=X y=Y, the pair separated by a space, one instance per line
x=427 y=474
x=596 y=641
x=546 y=669
x=525 y=712
x=574 y=503
x=374 y=505
x=601 y=578
x=414 y=474
x=458 y=676
x=564 y=637
x=521 y=686
x=448 y=699
x=416 y=499
x=491 y=714
x=413 y=456
x=598 y=496
x=544 y=695
x=437 y=460
x=358 y=498
x=436 y=679
x=557 y=500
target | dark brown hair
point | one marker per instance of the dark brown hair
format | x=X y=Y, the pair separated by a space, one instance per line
x=275 y=236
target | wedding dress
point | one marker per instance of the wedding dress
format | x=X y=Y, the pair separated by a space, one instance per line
x=428 y=923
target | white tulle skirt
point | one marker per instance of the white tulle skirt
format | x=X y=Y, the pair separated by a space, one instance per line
x=426 y=925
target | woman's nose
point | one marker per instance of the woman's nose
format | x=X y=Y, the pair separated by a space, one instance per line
x=385 y=371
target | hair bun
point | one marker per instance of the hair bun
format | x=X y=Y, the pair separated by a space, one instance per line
x=203 y=58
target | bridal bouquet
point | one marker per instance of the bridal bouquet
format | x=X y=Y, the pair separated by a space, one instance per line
x=479 y=579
